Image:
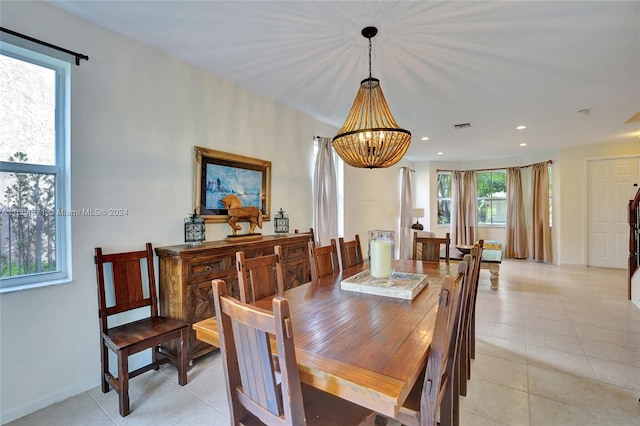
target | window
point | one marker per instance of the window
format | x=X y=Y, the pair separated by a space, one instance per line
x=444 y=198
x=34 y=164
x=492 y=198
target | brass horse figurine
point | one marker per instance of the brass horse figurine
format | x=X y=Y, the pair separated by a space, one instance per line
x=237 y=213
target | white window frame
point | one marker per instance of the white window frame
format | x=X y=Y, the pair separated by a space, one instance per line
x=61 y=170
x=438 y=199
x=492 y=199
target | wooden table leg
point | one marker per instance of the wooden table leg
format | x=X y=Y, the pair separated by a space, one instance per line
x=494 y=268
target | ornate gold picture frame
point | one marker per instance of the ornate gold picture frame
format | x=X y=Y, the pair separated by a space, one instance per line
x=219 y=174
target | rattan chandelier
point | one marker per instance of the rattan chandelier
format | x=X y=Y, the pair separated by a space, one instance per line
x=370 y=137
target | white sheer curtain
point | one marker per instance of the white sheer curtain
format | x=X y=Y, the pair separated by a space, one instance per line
x=325 y=220
x=406 y=204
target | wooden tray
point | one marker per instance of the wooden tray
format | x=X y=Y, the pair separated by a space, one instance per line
x=400 y=285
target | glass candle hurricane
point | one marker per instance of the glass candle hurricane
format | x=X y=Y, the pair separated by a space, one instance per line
x=381 y=248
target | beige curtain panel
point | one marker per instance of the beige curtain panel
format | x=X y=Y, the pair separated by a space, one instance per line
x=470 y=206
x=516 y=246
x=540 y=231
x=464 y=207
x=456 y=211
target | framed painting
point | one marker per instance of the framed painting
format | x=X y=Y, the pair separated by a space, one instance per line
x=221 y=174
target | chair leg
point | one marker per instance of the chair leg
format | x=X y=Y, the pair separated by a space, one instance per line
x=463 y=360
x=446 y=406
x=182 y=356
x=381 y=420
x=104 y=362
x=455 y=395
x=472 y=336
x=123 y=383
x=154 y=357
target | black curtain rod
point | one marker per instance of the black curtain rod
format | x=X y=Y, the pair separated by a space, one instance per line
x=44 y=43
x=490 y=170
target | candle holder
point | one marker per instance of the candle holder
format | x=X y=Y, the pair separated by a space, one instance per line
x=381 y=248
x=194 y=229
x=281 y=223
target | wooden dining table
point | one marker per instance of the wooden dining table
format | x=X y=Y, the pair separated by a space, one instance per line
x=364 y=348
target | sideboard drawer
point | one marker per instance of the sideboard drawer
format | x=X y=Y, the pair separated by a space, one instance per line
x=210 y=269
x=295 y=251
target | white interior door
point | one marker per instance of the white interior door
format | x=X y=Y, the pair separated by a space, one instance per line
x=610 y=187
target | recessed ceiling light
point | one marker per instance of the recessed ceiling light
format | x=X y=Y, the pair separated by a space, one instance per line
x=523 y=144
x=440 y=153
x=521 y=127
x=425 y=138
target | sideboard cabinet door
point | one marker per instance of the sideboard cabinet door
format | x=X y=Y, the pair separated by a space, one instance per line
x=185 y=274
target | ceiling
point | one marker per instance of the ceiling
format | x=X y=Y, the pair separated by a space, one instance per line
x=494 y=64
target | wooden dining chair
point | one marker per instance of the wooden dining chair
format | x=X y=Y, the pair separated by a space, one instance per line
x=133 y=290
x=474 y=259
x=324 y=260
x=434 y=393
x=257 y=391
x=472 y=327
x=430 y=249
x=312 y=238
x=260 y=277
x=350 y=252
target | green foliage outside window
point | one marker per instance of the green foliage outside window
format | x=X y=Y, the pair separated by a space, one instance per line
x=444 y=198
x=492 y=197
x=28 y=212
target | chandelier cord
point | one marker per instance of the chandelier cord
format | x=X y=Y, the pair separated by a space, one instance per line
x=369 y=57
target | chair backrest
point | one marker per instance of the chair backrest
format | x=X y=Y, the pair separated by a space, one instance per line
x=131 y=290
x=350 y=252
x=253 y=383
x=429 y=249
x=260 y=277
x=438 y=380
x=324 y=260
x=475 y=262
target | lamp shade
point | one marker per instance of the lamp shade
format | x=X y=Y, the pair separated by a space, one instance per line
x=417 y=213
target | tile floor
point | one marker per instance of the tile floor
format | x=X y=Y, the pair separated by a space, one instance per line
x=556 y=345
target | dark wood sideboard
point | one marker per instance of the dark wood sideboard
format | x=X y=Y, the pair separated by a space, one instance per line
x=185 y=274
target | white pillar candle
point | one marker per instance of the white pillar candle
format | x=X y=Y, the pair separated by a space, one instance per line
x=381 y=260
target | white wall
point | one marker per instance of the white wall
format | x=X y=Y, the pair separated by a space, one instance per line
x=136 y=115
x=372 y=201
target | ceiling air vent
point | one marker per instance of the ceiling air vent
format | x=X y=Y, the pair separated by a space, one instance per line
x=462 y=125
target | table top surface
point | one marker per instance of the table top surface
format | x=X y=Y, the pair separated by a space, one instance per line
x=488 y=255
x=364 y=348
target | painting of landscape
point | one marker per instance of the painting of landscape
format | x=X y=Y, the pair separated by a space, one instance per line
x=222 y=180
